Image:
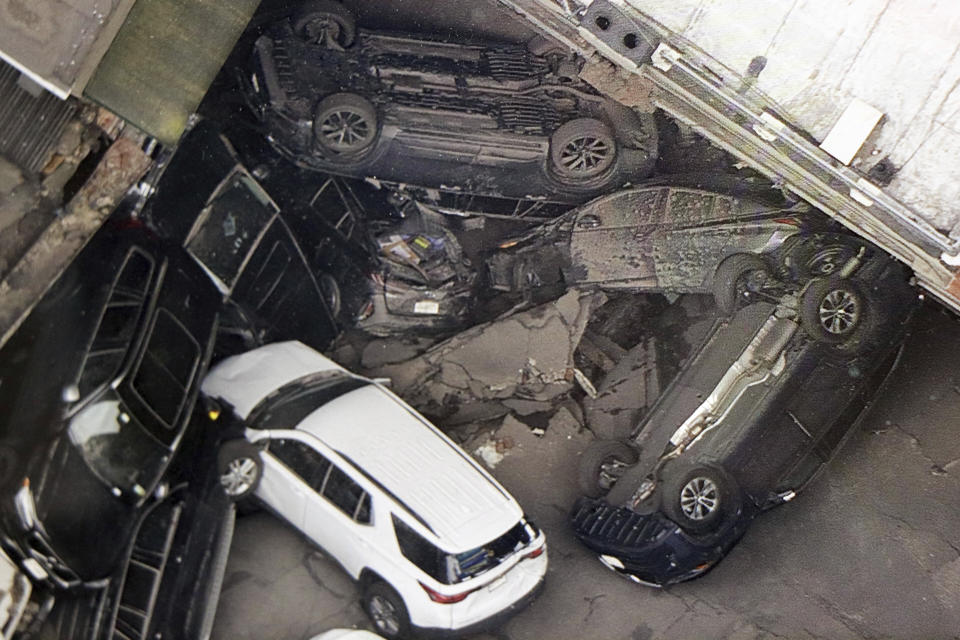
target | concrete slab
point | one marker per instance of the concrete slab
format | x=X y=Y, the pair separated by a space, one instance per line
x=899 y=56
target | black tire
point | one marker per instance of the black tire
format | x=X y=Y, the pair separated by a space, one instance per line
x=345 y=123
x=699 y=498
x=324 y=22
x=738 y=277
x=240 y=467
x=582 y=149
x=817 y=258
x=832 y=309
x=331 y=293
x=602 y=464
x=386 y=610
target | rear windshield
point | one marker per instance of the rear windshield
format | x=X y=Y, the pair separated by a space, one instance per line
x=451 y=568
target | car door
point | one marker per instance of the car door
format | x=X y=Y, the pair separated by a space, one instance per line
x=290 y=469
x=339 y=517
x=610 y=241
x=700 y=229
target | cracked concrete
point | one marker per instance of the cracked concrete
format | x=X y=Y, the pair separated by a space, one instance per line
x=527 y=356
x=869 y=550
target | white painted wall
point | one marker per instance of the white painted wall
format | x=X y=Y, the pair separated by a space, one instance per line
x=900 y=56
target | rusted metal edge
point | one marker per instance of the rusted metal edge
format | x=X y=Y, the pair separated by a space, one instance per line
x=26 y=283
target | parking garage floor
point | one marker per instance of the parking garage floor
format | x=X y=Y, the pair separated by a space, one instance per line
x=870 y=550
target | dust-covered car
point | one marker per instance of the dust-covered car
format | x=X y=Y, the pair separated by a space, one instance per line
x=754 y=414
x=651 y=238
x=478 y=118
x=434 y=541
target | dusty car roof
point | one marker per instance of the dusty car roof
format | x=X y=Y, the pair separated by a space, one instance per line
x=427 y=472
x=245 y=380
x=423 y=469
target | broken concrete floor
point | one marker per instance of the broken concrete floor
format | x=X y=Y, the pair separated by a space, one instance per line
x=871 y=549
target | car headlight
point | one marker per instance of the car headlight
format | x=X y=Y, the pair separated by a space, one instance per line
x=25 y=506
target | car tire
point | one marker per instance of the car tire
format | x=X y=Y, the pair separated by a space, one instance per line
x=814 y=260
x=602 y=464
x=582 y=149
x=324 y=22
x=736 y=277
x=832 y=309
x=331 y=294
x=385 y=608
x=699 y=498
x=240 y=467
x=345 y=123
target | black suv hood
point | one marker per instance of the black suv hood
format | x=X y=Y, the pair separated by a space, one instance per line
x=86 y=525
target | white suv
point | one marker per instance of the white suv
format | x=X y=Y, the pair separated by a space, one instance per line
x=435 y=542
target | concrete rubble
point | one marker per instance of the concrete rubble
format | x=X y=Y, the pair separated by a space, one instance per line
x=475 y=375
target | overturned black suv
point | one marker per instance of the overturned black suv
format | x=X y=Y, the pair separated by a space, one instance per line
x=494 y=119
x=771 y=394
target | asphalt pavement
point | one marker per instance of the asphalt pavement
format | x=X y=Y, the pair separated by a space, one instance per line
x=870 y=550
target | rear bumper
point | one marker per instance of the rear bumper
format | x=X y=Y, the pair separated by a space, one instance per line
x=492 y=622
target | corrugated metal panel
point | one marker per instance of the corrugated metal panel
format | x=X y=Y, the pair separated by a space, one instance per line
x=30 y=127
x=164 y=58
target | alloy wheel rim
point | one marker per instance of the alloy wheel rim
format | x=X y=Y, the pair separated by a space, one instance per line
x=699 y=498
x=384 y=615
x=839 y=311
x=322 y=30
x=586 y=154
x=239 y=476
x=345 y=129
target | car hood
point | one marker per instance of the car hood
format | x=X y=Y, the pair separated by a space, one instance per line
x=246 y=379
x=87 y=526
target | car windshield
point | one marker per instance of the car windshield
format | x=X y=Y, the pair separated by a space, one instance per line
x=116 y=447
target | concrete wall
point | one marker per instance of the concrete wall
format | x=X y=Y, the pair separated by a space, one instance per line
x=898 y=55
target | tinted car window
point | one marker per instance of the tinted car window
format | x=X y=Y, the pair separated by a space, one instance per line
x=118 y=322
x=330 y=203
x=291 y=404
x=312 y=467
x=230 y=226
x=168 y=367
x=347 y=495
x=420 y=551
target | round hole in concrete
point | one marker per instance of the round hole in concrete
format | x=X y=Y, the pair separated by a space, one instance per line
x=602 y=22
x=630 y=41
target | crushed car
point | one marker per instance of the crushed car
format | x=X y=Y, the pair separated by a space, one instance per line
x=484 y=118
x=668 y=238
x=435 y=542
x=755 y=413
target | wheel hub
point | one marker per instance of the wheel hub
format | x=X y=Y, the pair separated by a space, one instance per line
x=584 y=154
x=699 y=498
x=239 y=476
x=839 y=311
x=345 y=129
x=384 y=615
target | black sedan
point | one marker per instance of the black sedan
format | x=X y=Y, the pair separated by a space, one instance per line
x=494 y=119
x=751 y=418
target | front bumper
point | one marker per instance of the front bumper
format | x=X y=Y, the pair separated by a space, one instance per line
x=648 y=549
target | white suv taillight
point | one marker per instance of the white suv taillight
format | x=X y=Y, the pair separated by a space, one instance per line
x=441 y=598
